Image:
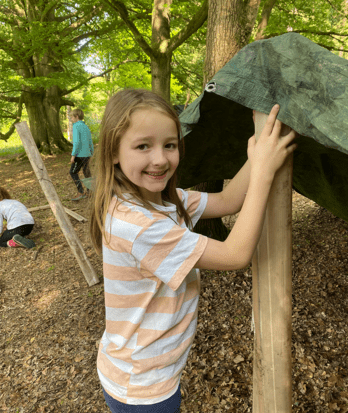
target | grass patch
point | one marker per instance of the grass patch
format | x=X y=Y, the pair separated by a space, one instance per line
x=12 y=146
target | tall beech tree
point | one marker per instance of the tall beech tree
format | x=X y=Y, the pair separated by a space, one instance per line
x=39 y=40
x=161 y=44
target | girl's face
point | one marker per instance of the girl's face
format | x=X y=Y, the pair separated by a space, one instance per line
x=149 y=152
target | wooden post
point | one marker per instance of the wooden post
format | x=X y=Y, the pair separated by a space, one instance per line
x=272 y=269
x=55 y=204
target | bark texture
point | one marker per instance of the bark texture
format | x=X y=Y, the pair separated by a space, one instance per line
x=43 y=112
x=230 y=23
x=160 y=63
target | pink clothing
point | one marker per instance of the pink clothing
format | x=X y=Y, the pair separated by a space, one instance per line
x=151 y=298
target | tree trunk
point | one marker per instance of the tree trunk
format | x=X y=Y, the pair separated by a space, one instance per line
x=161 y=73
x=43 y=112
x=230 y=23
x=160 y=63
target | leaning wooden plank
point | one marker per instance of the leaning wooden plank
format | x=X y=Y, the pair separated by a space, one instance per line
x=271 y=267
x=55 y=203
x=39 y=208
x=74 y=214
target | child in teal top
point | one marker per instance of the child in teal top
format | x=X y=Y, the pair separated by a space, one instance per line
x=81 y=152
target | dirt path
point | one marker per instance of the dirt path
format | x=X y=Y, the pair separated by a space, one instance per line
x=51 y=320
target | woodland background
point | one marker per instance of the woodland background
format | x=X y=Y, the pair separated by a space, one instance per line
x=56 y=54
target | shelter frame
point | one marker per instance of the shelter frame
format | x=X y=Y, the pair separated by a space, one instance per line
x=55 y=203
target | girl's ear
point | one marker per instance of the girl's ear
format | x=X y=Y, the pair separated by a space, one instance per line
x=115 y=160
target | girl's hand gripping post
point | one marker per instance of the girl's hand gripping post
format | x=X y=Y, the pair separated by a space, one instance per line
x=266 y=156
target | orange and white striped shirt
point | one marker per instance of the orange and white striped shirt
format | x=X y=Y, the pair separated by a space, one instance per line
x=151 y=298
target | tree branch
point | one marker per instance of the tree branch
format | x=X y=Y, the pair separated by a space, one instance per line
x=94 y=33
x=66 y=92
x=337 y=49
x=308 y=31
x=10 y=12
x=80 y=22
x=9 y=98
x=335 y=8
x=66 y=17
x=82 y=47
x=266 y=12
x=48 y=8
x=67 y=102
x=5 y=136
x=122 y=11
x=195 y=23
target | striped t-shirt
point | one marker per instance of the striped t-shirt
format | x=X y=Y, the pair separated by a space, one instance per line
x=151 y=298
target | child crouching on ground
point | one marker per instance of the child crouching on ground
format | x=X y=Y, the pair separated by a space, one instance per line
x=19 y=222
x=143 y=224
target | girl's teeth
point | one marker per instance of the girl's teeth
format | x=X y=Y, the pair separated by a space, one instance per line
x=159 y=174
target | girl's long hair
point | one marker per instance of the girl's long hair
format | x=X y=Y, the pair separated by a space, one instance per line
x=4 y=194
x=109 y=178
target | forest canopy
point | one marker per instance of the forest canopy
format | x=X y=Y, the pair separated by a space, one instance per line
x=60 y=54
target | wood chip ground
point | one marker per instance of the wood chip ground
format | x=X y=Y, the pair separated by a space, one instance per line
x=51 y=321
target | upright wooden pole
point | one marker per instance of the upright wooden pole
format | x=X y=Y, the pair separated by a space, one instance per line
x=271 y=268
x=55 y=204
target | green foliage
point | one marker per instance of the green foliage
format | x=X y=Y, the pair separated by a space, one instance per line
x=322 y=21
x=45 y=45
x=187 y=67
x=12 y=146
x=39 y=41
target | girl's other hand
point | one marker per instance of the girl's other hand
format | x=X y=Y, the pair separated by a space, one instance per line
x=268 y=154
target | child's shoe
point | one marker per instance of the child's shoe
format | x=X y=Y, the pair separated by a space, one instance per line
x=12 y=244
x=23 y=242
x=78 y=197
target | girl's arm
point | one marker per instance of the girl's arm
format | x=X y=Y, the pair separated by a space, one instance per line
x=230 y=200
x=266 y=157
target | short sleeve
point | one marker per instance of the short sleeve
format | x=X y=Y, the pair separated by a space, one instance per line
x=194 y=202
x=168 y=251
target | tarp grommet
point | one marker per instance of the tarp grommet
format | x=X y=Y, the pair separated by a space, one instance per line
x=210 y=87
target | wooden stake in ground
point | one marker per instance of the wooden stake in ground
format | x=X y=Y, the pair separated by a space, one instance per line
x=55 y=203
x=272 y=268
x=75 y=215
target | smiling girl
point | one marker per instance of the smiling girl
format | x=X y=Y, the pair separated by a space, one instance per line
x=143 y=224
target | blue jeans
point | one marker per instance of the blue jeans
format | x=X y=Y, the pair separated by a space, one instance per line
x=171 y=405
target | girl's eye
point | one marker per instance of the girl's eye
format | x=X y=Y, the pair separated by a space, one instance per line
x=171 y=146
x=142 y=147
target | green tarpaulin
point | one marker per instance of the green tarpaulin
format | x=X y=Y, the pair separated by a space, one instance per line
x=311 y=86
